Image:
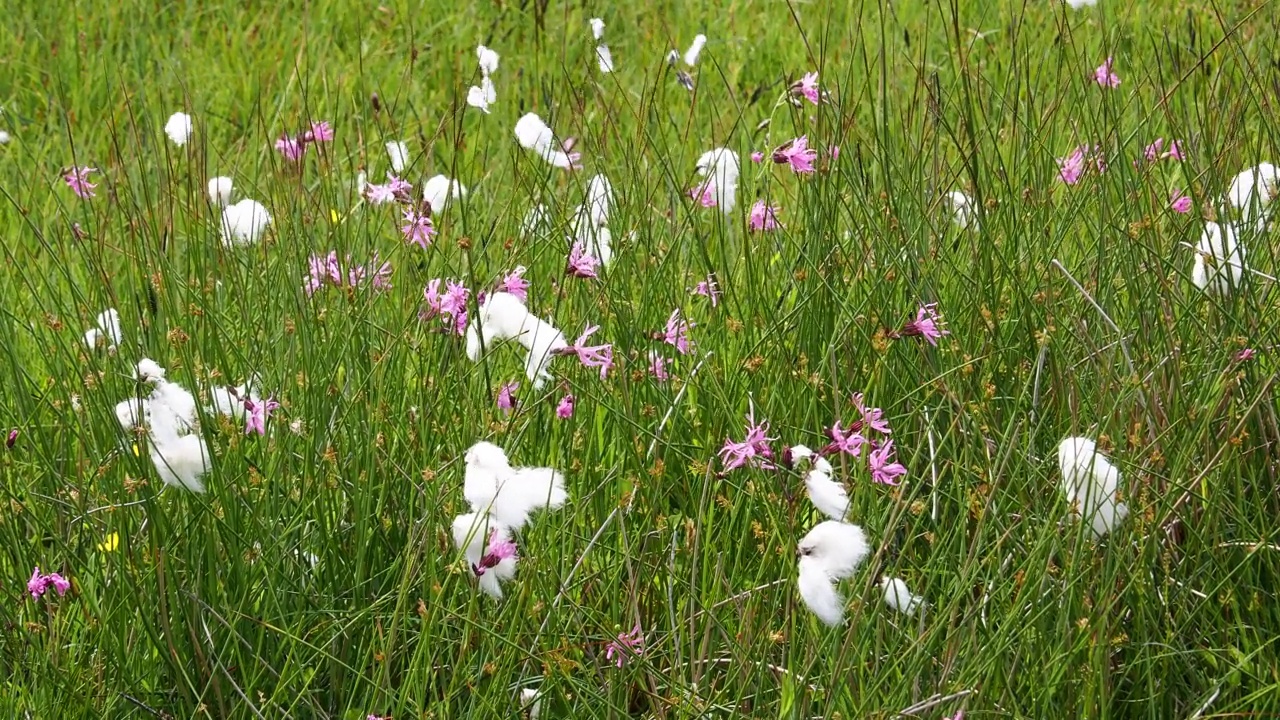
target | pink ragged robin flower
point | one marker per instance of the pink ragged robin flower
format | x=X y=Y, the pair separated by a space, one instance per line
x=807 y=88
x=757 y=156
x=40 y=583
x=1105 y=76
x=394 y=190
x=627 y=646
x=884 y=469
x=11 y=439
x=498 y=550
x=515 y=284
x=77 y=178
x=506 y=397
x=872 y=418
x=417 y=228
x=1155 y=151
x=797 y=154
x=705 y=193
x=591 y=356
x=1244 y=355
x=291 y=148
x=676 y=333
x=658 y=366
x=926 y=325
x=847 y=441
x=763 y=217
x=580 y=263
x=564 y=409
x=320 y=131
x=753 y=450
x=1181 y=203
x=709 y=289
x=256 y=414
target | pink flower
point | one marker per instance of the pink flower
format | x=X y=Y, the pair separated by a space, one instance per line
x=884 y=469
x=763 y=217
x=452 y=304
x=797 y=154
x=925 y=325
x=498 y=550
x=322 y=269
x=78 y=180
x=1181 y=203
x=291 y=148
x=807 y=87
x=848 y=442
x=957 y=716
x=591 y=356
x=320 y=132
x=257 y=412
x=871 y=417
x=13 y=438
x=658 y=367
x=1152 y=152
x=506 y=399
x=37 y=584
x=394 y=190
x=59 y=583
x=1245 y=355
x=677 y=333
x=835 y=152
x=705 y=193
x=564 y=409
x=1105 y=77
x=627 y=644
x=754 y=448
x=757 y=156
x=515 y=284
x=1071 y=167
x=580 y=263
x=417 y=228
x=710 y=289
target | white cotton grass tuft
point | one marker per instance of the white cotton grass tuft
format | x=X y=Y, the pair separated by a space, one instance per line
x=483 y=95
x=1077 y=4
x=437 y=191
x=826 y=494
x=830 y=552
x=962 y=210
x=503 y=316
x=1219 y=263
x=1090 y=482
x=898 y=597
x=398 y=153
x=508 y=494
x=178 y=128
x=534 y=134
x=597 y=28
x=106 y=327
x=220 y=191
x=487 y=58
x=1255 y=188
x=695 y=50
x=590 y=222
x=472 y=533
x=4 y=137
x=536 y=221
x=720 y=166
x=531 y=700
x=604 y=58
x=244 y=222
x=178 y=451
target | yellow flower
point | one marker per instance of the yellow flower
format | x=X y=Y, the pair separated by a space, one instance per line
x=333 y=216
x=110 y=544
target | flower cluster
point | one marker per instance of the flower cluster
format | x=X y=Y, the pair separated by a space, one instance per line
x=40 y=583
x=326 y=270
x=293 y=148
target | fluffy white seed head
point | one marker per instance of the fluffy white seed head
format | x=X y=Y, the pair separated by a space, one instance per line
x=1219 y=264
x=244 y=222
x=721 y=167
x=398 y=153
x=838 y=548
x=695 y=49
x=178 y=128
x=898 y=597
x=597 y=28
x=488 y=59
x=1090 y=483
x=220 y=191
x=437 y=191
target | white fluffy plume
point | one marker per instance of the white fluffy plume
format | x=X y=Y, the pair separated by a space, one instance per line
x=503 y=317
x=826 y=494
x=1253 y=190
x=534 y=134
x=1219 y=263
x=107 y=327
x=695 y=50
x=244 y=222
x=177 y=449
x=505 y=493
x=962 y=210
x=1090 y=483
x=830 y=552
x=720 y=166
x=438 y=190
x=398 y=154
x=898 y=597
x=178 y=128
x=220 y=191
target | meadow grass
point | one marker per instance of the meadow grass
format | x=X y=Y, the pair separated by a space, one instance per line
x=1070 y=312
